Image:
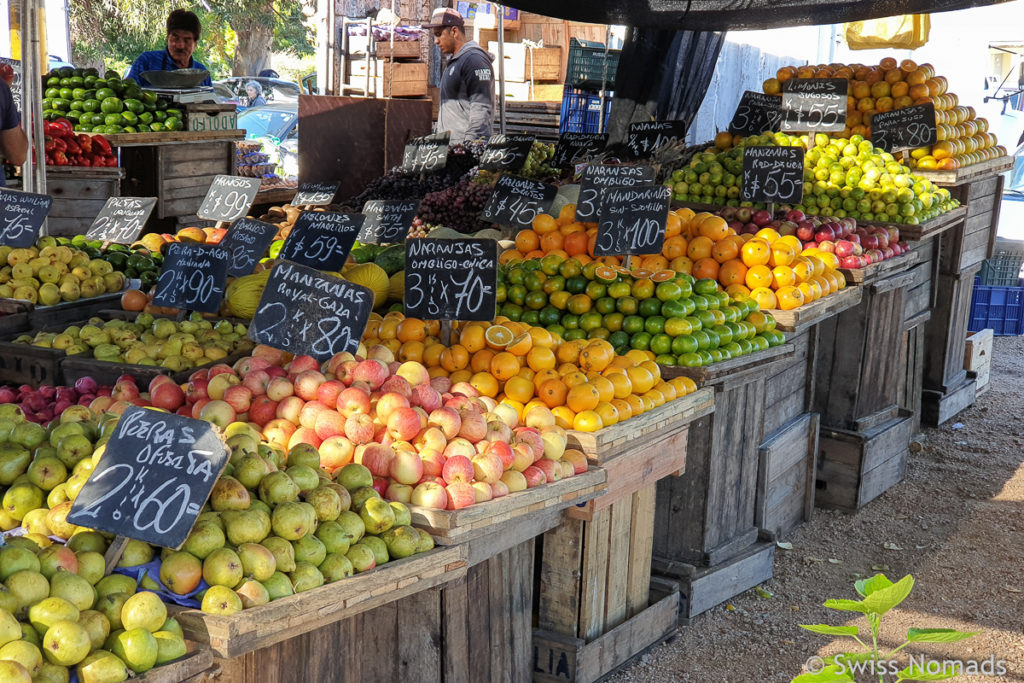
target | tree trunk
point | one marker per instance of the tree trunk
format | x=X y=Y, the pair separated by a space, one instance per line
x=253 y=52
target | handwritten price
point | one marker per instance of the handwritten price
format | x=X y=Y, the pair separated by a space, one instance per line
x=753 y=117
x=639 y=237
x=333 y=337
x=195 y=287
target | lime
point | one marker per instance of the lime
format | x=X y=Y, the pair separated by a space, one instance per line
x=641 y=341
x=559 y=299
x=512 y=311
x=595 y=290
x=556 y=329
x=516 y=293
x=733 y=349
x=111 y=105
x=724 y=334
x=695 y=323
x=690 y=360
x=570 y=268
x=590 y=321
x=575 y=284
x=549 y=315
x=530 y=317
x=536 y=300
x=665 y=359
x=661 y=343
x=684 y=343
x=618 y=339
x=673 y=309
x=760 y=343
x=535 y=281
x=649 y=307
x=555 y=283
x=612 y=321
x=667 y=291
x=677 y=326
x=700 y=302
x=605 y=304
x=706 y=318
x=703 y=339
x=705 y=286
x=571 y=321
x=632 y=324
x=655 y=324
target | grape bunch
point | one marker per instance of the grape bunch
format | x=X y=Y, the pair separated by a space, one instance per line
x=400 y=186
x=538 y=163
x=457 y=207
x=419 y=228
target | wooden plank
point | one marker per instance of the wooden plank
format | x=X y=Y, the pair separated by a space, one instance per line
x=786 y=476
x=561 y=575
x=938 y=408
x=929 y=228
x=520 y=590
x=192 y=664
x=732 y=369
x=618 y=561
x=882 y=478
x=848 y=458
x=967 y=173
x=497 y=606
x=711 y=586
x=210 y=151
x=173 y=138
x=418 y=638
x=641 y=535
x=203 y=181
x=877 y=271
x=816 y=311
x=455 y=630
x=595 y=575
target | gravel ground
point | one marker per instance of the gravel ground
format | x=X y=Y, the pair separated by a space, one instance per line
x=956 y=523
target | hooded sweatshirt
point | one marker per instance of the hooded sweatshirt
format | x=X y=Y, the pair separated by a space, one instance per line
x=467 y=95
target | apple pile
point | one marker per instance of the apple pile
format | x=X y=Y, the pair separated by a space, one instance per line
x=48 y=402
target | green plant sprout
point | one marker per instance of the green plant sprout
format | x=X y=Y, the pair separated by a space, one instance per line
x=880 y=595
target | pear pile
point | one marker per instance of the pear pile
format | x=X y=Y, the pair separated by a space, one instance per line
x=52 y=274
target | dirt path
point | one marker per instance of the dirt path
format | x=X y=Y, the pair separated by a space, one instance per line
x=956 y=523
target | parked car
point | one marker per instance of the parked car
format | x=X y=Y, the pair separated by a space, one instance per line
x=277 y=127
x=274 y=89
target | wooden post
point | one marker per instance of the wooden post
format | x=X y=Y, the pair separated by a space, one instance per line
x=114 y=552
x=446 y=332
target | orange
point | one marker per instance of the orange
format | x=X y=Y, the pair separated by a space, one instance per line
x=460 y=376
x=526 y=372
x=623 y=408
x=764 y=297
x=587 y=421
x=498 y=336
x=411 y=350
x=782 y=254
x=485 y=383
x=683 y=385
x=552 y=392
x=540 y=358
x=682 y=264
x=655 y=263
x=608 y=413
x=551 y=241
x=640 y=379
x=596 y=356
x=684 y=215
x=432 y=355
x=605 y=387
x=437 y=371
x=582 y=397
x=575 y=243
x=543 y=376
x=699 y=247
x=520 y=345
x=454 y=358
x=481 y=361
x=636 y=404
x=769 y=235
x=472 y=338
x=667 y=390
x=621 y=386
x=565 y=368
x=732 y=272
x=830 y=260
x=789 y=298
x=783 y=276
x=726 y=250
x=509 y=255
x=134 y=300
x=527 y=240
x=574 y=378
x=714 y=228
x=822 y=283
x=569 y=352
x=519 y=389
x=656 y=397
x=504 y=366
x=674 y=247
x=673 y=225
x=652 y=368
x=737 y=291
x=388 y=329
x=412 y=329
x=544 y=224
x=771 y=86
x=817 y=265
x=758 y=276
x=810 y=290
x=756 y=252
x=802 y=268
x=705 y=268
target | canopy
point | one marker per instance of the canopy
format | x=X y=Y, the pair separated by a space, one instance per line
x=735 y=15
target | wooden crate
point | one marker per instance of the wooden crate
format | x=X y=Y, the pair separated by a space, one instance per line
x=557 y=657
x=64 y=313
x=917 y=297
x=789 y=389
x=282 y=620
x=786 y=476
x=79 y=193
x=978 y=358
x=14 y=316
x=857 y=467
x=971 y=242
x=910 y=387
x=389 y=78
x=936 y=226
x=210 y=117
x=523 y=64
x=404 y=49
x=811 y=314
x=967 y=173
x=187 y=668
x=25 y=364
x=177 y=174
x=876 y=271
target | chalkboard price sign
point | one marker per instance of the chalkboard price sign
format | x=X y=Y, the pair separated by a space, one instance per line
x=387 y=221
x=576 y=147
x=315 y=194
x=193 y=277
x=156 y=474
x=632 y=220
x=121 y=219
x=506 y=152
x=515 y=202
x=246 y=242
x=814 y=105
x=598 y=177
x=426 y=154
x=16 y=85
x=228 y=198
x=451 y=279
x=646 y=137
x=773 y=174
x=304 y=311
x=904 y=128
x=756 y=114
x=322 y=239
x=21 y=216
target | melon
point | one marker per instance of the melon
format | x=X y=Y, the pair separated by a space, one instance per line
x=372 y=276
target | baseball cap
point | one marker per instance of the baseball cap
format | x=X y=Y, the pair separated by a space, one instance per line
x=445 y=16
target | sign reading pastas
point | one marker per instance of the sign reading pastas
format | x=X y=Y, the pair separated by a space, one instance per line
x=322 y=239
x=153 y=480
x=246 y=242
x=451 y=279
x=193 y=277
x=598 y=177
x=387 y=221
x=575 y=147
x=814 y=105
x=21 y=216
x=515 y=202
x=756 y=114
x=904 y=128
x=632 y=220
x=315 y=194
x=646 y=137
x=773 y=174
x=506 y=152
x=425 y=154
x=228 y=198
x=304 y=311
x=121 y=219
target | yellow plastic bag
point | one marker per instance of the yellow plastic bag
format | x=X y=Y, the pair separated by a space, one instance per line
x=906 y=32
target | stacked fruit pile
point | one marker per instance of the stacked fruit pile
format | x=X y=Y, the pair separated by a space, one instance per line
x=64 y=147
x=44 y=403
x=963 y=135
x=458 y=207
x=397 y=184
x=106 y=105
x=47 y=275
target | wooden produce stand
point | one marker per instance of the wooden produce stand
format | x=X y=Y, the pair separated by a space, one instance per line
x=597 y=605
x=79 y=193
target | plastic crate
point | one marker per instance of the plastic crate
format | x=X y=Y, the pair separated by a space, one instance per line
x=581 y=111
x=1003 y=268
x=999 y=308
x=586 y=68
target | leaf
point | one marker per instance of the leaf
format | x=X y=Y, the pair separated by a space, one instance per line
x=884 y=599
x=916 y=673
x=784 y=546
x=764 y=593
x=850 y=657
x=830 y=674
x=938 y=635
x=868 y=586
x=826 y=630
x=847 y=605
x=833 y=560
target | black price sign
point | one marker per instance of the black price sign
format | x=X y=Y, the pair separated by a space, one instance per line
x=773 y=174
x=451 y=279
x=322 y=239
x=387 y=221
x=246 y=242
x=633 y=220
x=904 y=128
x=156 y=474
x=315 y=194
x=304 y=311
x=756 y=114
x=576 y=147
x=21 y=216
x=515 y=202
x=814 y=105
x=121 y=219
x=425 y=154
x=597 y=178
x=228 y=198
x=646 y=137
x=506 y=152
x=193 y=277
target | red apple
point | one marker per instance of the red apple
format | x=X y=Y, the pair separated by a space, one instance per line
x=430 y=495
x=458 y=468
x=844 y=249
x=460 y=495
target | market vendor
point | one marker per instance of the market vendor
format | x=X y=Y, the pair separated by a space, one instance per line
x=13 y=141
x=182 y=37
x=467 y=82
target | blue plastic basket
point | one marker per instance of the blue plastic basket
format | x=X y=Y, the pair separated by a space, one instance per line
x=581 y=111
x=998 y=308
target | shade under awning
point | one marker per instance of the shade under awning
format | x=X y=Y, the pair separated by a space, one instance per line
x=739 y=15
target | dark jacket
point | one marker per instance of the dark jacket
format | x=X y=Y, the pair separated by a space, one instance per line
x=467 y=95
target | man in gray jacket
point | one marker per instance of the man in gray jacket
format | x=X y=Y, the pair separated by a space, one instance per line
x=467 y=81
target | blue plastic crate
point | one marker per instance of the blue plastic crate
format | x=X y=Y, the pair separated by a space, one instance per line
x=998 y=308
x=581 y=111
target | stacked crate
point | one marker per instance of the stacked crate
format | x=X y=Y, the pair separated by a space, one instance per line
x=588 y=76
x=382 y=68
